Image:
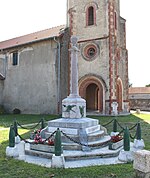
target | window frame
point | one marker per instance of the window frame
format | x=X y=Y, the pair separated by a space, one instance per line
x=88 y=20
x=15 y=58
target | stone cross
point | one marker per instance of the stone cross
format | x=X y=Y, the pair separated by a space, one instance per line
x=74 y=67
x=74 y=106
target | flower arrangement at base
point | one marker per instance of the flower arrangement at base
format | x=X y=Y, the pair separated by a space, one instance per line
x=51 y=142
x=116 y=138
x=38 y=138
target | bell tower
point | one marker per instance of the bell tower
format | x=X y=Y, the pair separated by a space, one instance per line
x=103 y=57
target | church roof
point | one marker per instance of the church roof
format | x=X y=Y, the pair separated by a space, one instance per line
x=139 y=90
x=33 y=37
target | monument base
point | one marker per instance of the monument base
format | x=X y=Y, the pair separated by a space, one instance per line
x=78 y=133
x=73 y=107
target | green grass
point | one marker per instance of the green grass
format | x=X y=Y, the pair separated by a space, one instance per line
x=11 y=168
x=7 y=120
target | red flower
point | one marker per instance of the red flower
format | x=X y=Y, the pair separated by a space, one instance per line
x=51 y=142
x=116 y=138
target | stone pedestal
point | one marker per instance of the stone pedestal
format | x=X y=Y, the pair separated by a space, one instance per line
x=114 y=133
x=58 y=161
x=12 y=152
x=17 y=139
x=73 y=107
x=141 y=163
x=126 y=156
x=139 y=144
x=21 y=150
x=83 y=130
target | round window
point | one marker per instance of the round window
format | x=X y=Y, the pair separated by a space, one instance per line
x=90 y=51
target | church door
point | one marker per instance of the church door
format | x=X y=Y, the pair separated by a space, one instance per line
x=92 y=92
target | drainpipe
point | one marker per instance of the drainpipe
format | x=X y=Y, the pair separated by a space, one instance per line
x=58 y=89
x=5 y=62
x=4 y=67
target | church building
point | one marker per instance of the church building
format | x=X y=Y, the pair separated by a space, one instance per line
x=35 y=68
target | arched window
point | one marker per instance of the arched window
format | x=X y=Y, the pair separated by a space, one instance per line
x=90 y=16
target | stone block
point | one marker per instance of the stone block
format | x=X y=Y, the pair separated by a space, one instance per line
x=115 y=146
x=17 y=139
x=42 y=147
x=58 y=161
x=125 y=156
x=114 y=133
x=12 y=152
x=142 y=161
x=139 y=144
x=21 y=150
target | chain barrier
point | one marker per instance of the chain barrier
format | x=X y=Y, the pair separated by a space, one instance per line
x=120 y=125
x=43 y=141
x=133 y=127
x=82 y=144
x=120 y=132
x=108 y=123
x=30 y=127
x=73 y=140
x=133 y=137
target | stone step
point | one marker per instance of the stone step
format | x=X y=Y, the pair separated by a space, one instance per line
x=91 y=137
x=93 y=144
x=78 y=155
x=73 y=123
x=97 y=153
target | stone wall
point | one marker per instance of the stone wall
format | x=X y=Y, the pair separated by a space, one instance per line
x=31 y=86
x=140 y=101
x=108 y=34
x=79 y=19
x=2 y=57
x=1 y=91
x=142 y=104
x=2 y=64
x=65 y=66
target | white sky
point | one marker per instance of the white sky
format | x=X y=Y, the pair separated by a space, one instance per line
x=21 y=17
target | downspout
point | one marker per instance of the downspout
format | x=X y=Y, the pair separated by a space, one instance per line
x=58 y=89
x=5 y=62
x=4 y=66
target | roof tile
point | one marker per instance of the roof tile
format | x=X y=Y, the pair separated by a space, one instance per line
x=33 y=37
x=138 y=90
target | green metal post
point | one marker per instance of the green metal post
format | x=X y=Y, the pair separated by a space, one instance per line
x=138 y=131
x=126 y=139
x=115 y=125
x=11 y=136
x=15 y=127
x=42 y=123
x=57 y=143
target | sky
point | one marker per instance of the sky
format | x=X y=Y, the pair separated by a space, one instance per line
x=21 y=17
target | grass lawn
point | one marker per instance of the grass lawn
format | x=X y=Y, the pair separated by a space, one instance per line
x=11 y=168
